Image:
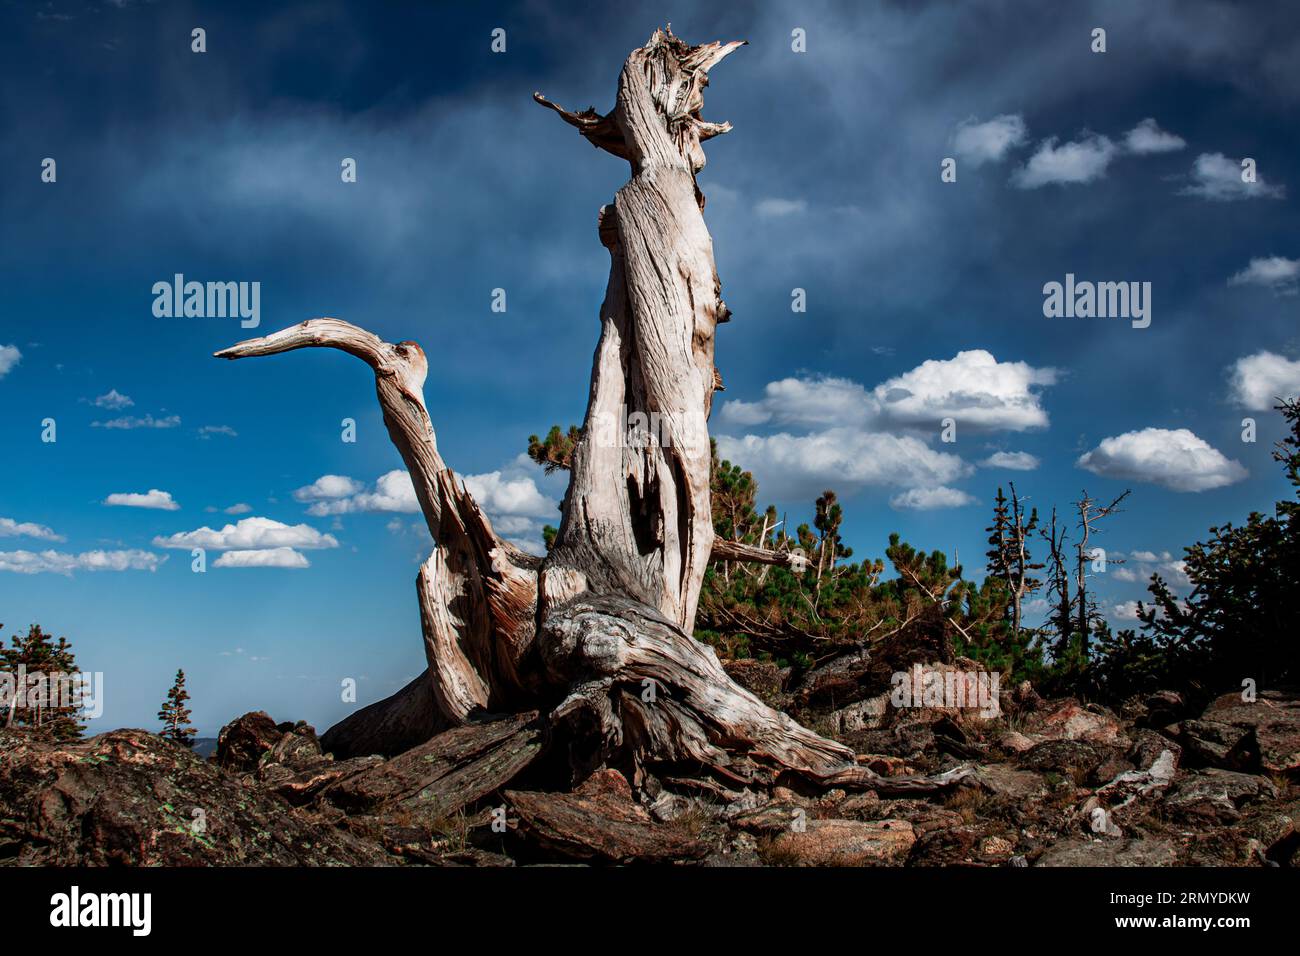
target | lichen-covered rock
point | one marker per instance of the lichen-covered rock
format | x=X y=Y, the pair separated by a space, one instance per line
x=1077 y=759
x=242 y=742
x=1085 y=851
x=868 y=714
x=297 y=748
x=1274 y=717
x=1006 y=781
x=130 y=797
x=1070 y=720
x=1215 y=743
x=1149 y=746
x=1014 y=742
x=1216 y=795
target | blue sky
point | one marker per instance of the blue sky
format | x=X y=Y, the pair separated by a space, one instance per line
x=224 y=166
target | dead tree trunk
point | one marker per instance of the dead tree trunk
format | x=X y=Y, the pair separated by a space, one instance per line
x=599 y=633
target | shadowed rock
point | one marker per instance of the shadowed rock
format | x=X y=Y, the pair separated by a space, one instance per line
x=130 y=797
x=600 y=822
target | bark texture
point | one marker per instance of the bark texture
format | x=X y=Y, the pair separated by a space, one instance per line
x=637 y=518
x=598 y=634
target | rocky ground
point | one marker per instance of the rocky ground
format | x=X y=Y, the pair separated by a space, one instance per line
x=1054 y=783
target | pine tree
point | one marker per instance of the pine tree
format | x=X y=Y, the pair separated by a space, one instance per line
x=175 y=716
x=830 y=546
x=1241 y=618
x=1065 y=652
x=555 y=451
x=39 y=653
x=1009 y=558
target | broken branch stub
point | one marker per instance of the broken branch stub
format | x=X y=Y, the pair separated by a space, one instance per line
x=476 y=592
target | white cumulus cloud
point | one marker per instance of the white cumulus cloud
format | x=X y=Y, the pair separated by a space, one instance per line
x=249 y=534
x=113 y=400
x=1081 y=161
x=930 y=499
x=153 y=498
x=979 y=143
x=1258 y=381
x=1126 y=611
x=1278 y=273
x=338 y=495
x=509 y=496
x=822 y=400
x=500 y=494
x=263 y=558
x=858 y=436
x=1147 y=137
x=9 y=357
x=791 y=465
x=973 y=388
x=10 y=528
x=1176 y=459
x=327 y=487
x=1011 y=461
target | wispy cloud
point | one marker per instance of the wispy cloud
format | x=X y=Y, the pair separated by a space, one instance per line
x=1273 y=272
x=977 y=143
x=58 y=562
x=207 y=431
x=774 y=208
x=930 y=499
x=131 y=422
x=1011 y=461
x=1218 y=178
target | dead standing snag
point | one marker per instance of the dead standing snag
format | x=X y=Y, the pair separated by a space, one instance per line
x=598 y=632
